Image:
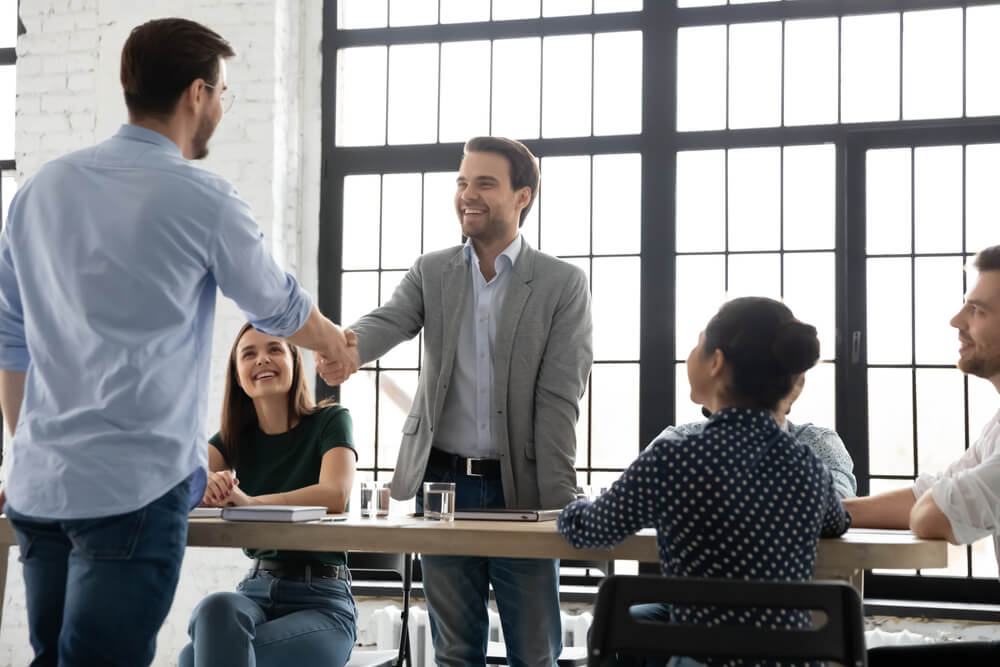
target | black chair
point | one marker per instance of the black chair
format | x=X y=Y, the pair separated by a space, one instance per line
x=571 y=656
x=376 y=565
x=841 y=638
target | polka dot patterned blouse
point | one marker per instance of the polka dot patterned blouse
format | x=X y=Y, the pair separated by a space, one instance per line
x=739 y=500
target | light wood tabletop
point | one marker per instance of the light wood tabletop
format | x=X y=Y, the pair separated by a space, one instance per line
x=843 y=558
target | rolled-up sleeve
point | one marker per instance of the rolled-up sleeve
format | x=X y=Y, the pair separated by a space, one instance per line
x=14 y=354
x=971 y=500
x=246 y=272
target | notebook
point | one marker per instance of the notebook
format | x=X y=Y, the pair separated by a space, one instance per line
x=274 y=513
x=502 y=514
x=205 y=513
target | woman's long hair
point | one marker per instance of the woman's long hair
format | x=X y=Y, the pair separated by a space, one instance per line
x=239 y=417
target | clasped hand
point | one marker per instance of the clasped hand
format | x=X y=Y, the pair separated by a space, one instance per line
x=222 y=490
x=335 y=367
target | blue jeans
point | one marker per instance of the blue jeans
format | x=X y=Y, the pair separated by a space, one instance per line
x=98 y=590
x=298 y=621
x=457 y=592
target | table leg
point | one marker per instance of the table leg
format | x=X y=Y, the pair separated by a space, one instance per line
x=854 y=577
x=4 y=554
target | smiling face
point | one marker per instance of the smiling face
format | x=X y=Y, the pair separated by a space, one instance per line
x=264 y=365
x=488 y=207
x=978 y=324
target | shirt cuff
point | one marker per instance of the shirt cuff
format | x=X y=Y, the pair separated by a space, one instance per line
x=14 y=358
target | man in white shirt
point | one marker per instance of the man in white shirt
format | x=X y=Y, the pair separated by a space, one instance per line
x=962 y=503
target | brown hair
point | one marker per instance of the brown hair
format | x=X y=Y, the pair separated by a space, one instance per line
x=523 y=165
x=162 y=58
x=988 y=259
x=238 y=414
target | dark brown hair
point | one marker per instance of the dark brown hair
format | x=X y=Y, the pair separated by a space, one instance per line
x=162 y=58
x=239 y=417
x=988 y=259
x=523 y=165
x=765 y=346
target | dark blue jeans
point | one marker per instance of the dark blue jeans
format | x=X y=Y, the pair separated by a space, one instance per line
x=457 y=589
x=98 y=590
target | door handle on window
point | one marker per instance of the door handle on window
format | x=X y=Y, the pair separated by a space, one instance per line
x=855 y=347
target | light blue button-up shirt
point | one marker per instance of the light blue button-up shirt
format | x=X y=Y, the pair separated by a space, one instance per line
x=465 y=427
x=108 y=271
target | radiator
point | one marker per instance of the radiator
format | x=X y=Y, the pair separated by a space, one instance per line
x=385 y=626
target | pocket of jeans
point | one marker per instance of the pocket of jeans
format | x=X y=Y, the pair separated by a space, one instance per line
x=107 y=538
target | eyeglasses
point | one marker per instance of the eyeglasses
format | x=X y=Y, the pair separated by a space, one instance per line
x=226 y=97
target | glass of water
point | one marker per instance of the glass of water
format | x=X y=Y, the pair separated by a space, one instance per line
x=374 y=498
x=439 y=501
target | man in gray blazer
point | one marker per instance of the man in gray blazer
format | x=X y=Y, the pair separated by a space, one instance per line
x=507 y=352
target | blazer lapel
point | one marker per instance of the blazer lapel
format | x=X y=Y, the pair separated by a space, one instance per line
x=454 y=288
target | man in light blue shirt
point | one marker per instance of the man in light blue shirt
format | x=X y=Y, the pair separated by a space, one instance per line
x=109 y=265
x=507 y=351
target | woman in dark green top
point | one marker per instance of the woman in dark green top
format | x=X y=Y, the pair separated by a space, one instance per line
x=277 y=447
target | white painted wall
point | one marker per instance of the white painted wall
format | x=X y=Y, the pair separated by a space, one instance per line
x=268 y=146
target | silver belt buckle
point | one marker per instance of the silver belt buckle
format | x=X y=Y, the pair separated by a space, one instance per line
x=468 y=468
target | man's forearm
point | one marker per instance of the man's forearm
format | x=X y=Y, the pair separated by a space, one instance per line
x=886 y=510
x=318 y=333
x=11 y=395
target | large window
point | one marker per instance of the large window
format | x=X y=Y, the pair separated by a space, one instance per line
x=837 y=154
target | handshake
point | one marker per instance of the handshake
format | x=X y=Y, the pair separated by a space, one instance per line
x=337 y=363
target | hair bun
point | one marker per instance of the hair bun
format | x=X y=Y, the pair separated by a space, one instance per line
x=795 y=346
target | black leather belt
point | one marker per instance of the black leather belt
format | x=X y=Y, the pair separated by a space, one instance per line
x=472 y=467
x=286 y=569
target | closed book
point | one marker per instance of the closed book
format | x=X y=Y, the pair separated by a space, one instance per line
x=274 y=513
x=205 y=513
x=503 y=514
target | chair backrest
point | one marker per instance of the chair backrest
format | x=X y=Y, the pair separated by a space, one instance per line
x=379 y=566
x=615 y=630
x=604 y=567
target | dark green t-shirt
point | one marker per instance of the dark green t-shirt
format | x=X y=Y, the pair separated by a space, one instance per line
x=292 y=460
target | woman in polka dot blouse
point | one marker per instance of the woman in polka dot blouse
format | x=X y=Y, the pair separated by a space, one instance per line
x=741 y=499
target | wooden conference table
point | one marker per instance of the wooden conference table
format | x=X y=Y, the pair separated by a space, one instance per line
x=844 y=558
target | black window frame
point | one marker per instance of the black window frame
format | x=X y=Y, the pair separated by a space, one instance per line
x=658 y=143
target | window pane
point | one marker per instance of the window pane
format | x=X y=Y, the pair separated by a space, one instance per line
x=616 y=203
x=932 y=64
x=361 y=96
x=441 y=227
x=614 y=6
x=401 y=207
x=982 y=61
x=889 y=313
x=359 y=295
x=8 y=25
x=8 y=84
x=362 y=200
x=699 y=3
x=517 y=69
x=583 y=429
x=817 y=403
x=566 y=83
x=701 y=78
x=618 y=83
x=395 y=395
x=811 y=71
x=361 y=14
x=938 y=284
x=958 y=563
x=358 y=396
x=755 y=198
x=700 y=291
x=465 y=90
x=890 y=421
x=700 y=198
x=809 y=194
x=755 y=275
x=810 y=291
x=870 y=68
x=615 y=421
x=413 y=93
x=515 y=9
x=888 y=201
x=982 y=173
x=984 y=560
x=616 y=308
x=564 y=203
x=937 y=175
x=940 y=418
x=464 y=11
x=686 y=410
x=755 y=75
x=406 y=354
x=565 y=7
x=412 y=12
x=8 y=186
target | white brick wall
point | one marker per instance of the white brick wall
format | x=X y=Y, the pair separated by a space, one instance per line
x=268 y=146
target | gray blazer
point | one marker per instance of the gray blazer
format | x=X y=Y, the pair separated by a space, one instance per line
x=542 y=358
